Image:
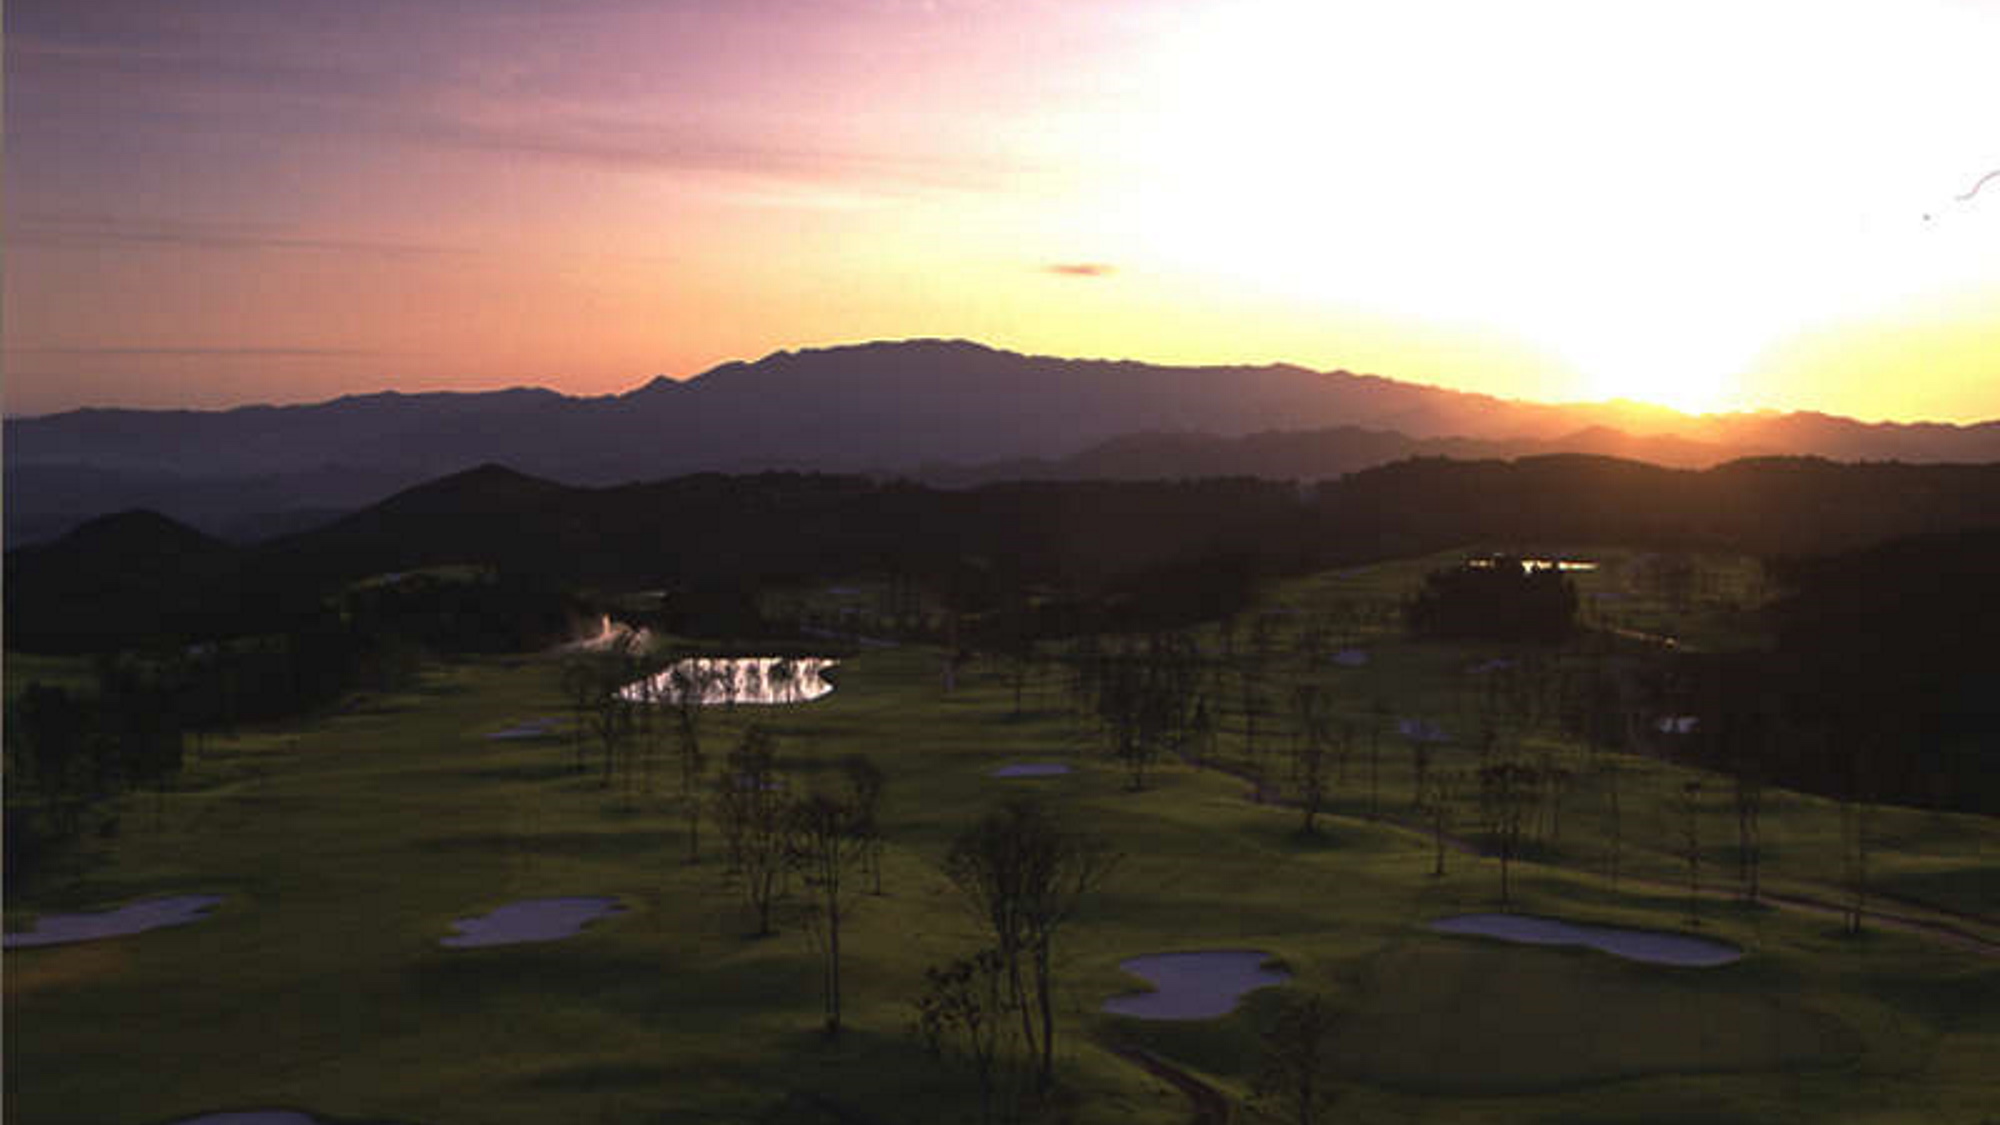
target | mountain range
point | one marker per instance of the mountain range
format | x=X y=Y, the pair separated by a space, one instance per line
x=944 y=411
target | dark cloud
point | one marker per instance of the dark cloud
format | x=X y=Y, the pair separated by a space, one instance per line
x=1081 y=269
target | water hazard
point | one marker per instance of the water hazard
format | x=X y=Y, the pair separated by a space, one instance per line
x=721 y=680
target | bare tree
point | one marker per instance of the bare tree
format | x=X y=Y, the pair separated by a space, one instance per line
x=1309 y=752
x=1438 y=796
x=865 y=787
x=968 y=1007
x=1689 y=804
x=1024 y=873
x=1507 y=795
x=1297 y=1051
x=824 y=842
x=687 y=687
x=750 y=805
x=1378 y=721
x=579 y=690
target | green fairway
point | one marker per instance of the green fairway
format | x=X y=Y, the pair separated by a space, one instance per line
x=345 y=845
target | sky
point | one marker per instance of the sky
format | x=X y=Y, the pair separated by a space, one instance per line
x=1712 y=205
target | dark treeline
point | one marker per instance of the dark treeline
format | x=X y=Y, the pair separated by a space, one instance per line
x=1496 y=598
x=1880 y=686
x=1140 y=554
x=68 y=754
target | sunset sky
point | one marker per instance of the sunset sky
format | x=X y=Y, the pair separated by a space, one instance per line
x=1732 y=204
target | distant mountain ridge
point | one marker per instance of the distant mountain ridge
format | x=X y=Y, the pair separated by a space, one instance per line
x=122 y=577
x=953 y=406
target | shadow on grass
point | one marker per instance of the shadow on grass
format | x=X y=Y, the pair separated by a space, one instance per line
x=637 y=842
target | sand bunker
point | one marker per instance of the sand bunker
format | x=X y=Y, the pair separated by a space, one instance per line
x=1194 y=986
x=1030 y=769
x=1653 y=946
x=253 y=1117
x=151 y=914
x=534 y=919
x=1421 y=730
x=532 y=728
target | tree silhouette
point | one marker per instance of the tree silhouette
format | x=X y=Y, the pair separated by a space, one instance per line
x=1508 y=792
x=1024 y=873
x=751 y=806
x=824 y=841
x=1296 y=1056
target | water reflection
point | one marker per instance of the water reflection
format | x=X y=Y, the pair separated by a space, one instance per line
x=737 y=679
x=1538 y=564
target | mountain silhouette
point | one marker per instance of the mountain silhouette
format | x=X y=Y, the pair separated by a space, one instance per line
x=954 y=408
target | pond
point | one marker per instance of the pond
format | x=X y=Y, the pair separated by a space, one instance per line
x=764 y=680
x=1195 y=986
x=1653 y=946
x=1031 y=769
x=1541 y=564
x=534 y=919
x=137 y=917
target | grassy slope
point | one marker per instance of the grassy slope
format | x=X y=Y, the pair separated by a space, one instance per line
x=347 y=846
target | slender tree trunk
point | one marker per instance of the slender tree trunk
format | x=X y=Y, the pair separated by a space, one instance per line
x=1046 y=1002
x=833 y=967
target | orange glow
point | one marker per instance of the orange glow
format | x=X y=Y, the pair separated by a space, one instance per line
x=1695 y=205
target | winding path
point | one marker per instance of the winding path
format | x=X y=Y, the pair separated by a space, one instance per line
x=1207 y=1105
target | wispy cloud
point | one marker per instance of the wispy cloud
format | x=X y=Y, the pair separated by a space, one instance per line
x=645 y=146
x=56 y=230
x=1081 y=269
x=210 y=352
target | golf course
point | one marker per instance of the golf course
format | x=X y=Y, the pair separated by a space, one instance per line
x=347 y=848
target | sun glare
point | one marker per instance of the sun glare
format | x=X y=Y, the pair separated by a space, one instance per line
x=1645 y=229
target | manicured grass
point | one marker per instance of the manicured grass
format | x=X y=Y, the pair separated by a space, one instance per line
x=347 y=844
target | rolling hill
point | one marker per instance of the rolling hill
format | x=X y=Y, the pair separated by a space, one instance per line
x=948 y=411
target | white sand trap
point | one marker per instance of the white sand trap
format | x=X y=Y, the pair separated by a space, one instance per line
x=1194 y=986
x=1653 y=946
x=1421 y=730
x=1030 y=769
x=1350 y=658
x=533 y=919
x=138 y=917
x=532 y=728
x=253 y=1117
x=1677 y=724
